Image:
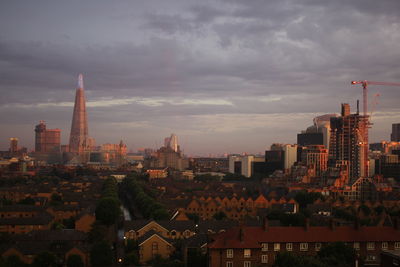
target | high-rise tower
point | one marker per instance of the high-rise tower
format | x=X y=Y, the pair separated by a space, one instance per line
x=349 y=142
x=395 y=136
x=78 y=140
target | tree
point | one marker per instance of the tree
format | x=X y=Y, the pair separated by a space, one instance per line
x=13 y=261
x=196 y=258
x=131 y=259
x=160 y=214
x=194 y=217
x=27 y=201
x=75 y=260
x=101 y=254
x=219 y=216
x=337 y=254
x=45 y=259
x=55 y=200
x=288 y=259
x=107 y=211
x=97 y=233
x=304 y=198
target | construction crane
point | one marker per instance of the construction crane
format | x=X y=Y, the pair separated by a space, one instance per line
x=365 y=84
x=365 y=91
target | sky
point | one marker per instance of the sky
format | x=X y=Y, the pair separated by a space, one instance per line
x=229 y=76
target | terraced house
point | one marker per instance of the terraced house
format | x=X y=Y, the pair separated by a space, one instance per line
x=258 y=246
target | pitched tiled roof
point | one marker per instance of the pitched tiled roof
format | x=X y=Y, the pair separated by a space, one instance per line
x=150 y=234
x=42 y=218
x=253 y=236
x=169 y=225
x=20 y=208
x=215 y=226
x=54 y=235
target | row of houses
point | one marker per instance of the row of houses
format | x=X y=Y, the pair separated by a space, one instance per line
x=237 y=208
x=259 y=245
x=20 y=219
x=62 y=243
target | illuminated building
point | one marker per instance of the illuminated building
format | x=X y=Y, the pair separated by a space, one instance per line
x=13 y=144
x=349 y=142
x=47 y=140
x=78 y=141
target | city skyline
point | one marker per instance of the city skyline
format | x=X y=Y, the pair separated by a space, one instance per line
x=224 y=76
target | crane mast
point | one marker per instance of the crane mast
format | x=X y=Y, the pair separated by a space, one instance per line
x=366 y=123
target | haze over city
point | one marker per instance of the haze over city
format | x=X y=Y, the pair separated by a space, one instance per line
x=225 y=76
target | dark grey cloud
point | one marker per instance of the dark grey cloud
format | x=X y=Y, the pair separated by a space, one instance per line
x=196 y=69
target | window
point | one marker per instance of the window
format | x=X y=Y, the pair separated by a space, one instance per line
x=247 y=264
x=303 y=246
x=396 y=245
x=318 y=246
x=356 y=246
x=229 y=264
x=264 y=258
x=247 y=253
x=229 y=253
x=186 y=233
x=370 y=258
x=277 y=246
x=289 y=246
x=385 y=245
x=370 y=246
x=264 y=247
x=154 y=248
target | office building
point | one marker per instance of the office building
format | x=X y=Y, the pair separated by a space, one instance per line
x=47 y=140
x=318 y=133
x=13 y=145
x=395 y=136
x=316 y=157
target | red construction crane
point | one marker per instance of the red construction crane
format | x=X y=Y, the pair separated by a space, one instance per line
x=365 y=92
x=365 y=113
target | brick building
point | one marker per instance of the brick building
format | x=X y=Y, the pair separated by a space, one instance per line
x=258 y=246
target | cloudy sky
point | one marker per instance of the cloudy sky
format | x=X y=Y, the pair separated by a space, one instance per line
x=225 y=76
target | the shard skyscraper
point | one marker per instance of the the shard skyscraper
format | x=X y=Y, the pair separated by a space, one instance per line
x=78 y=139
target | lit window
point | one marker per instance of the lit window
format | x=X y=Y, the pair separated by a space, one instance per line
x=229 y=264
x=370 y=258
x=303 y=246
x=396 y=245
x=356 y=246
x=264 y=247
x=264 y=258
x=317 y=246
x=289 y=246
x=277 y=246
x=247 y=253
x=370 y=246
x=385 y=245
x=229 y=253
x=247 y=264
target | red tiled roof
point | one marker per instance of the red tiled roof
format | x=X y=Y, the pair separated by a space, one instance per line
x=253 y=236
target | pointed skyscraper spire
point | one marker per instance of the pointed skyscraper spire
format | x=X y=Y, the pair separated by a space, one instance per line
x=80 y=81
x=79 y=127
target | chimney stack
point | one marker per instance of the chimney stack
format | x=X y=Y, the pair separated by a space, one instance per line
x=357 y=223
x=307 y=224
x=265 y=224
x=332 y=225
